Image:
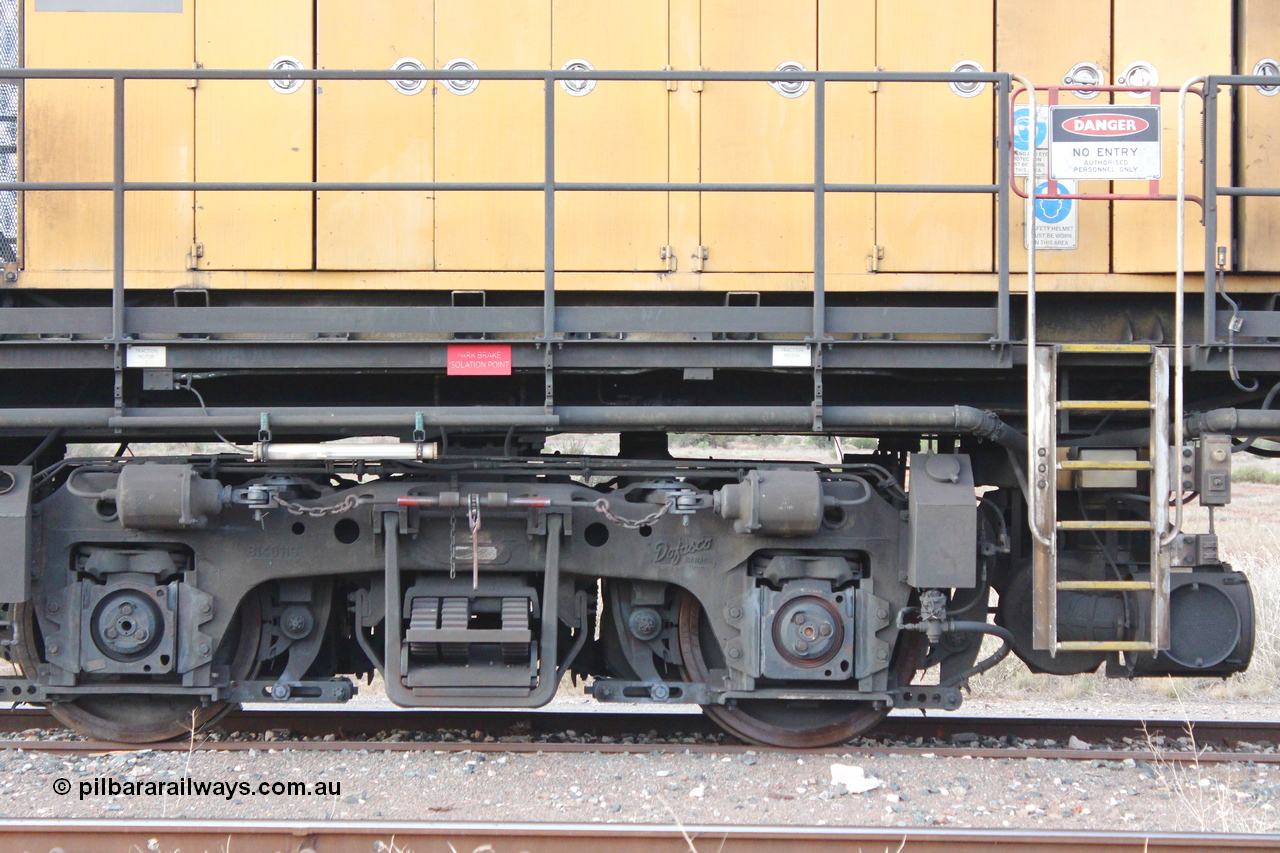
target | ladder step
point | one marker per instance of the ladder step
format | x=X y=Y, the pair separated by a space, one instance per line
x=1105 y=646
x=1106 y=405
x=1100 y=465
x=1104 y=525
x=1105 y=585
x=1134 y=349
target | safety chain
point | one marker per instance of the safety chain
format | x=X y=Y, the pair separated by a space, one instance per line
x=347 y=504
x=602 y=507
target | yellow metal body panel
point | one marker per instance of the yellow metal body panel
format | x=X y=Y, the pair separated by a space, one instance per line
x=1181 y=38
x=1259 y=38
x=1042 y=40
x=616 y=132
x=847 y=42
x=247 y=131
x=684 y=123
x=366 y=130
x=68 y=137
x=925 y=133
x=751 y=133
x=495 y=133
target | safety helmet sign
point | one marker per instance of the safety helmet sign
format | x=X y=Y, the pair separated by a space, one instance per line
x=1057 y=219
x=1104 y=142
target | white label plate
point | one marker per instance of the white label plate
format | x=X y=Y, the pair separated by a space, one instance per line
x=146 y=357
x=792 y=355
x=1057 y=219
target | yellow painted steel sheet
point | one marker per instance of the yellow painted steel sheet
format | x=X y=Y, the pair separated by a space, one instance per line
x=617 y=131
x=847 y=42
x=246 y=130
x=925 y=133
x=1259 y=38
x=368 y=130
x=495 y=133
x=684 y=123
x=68 y=137
x=751 y=133
x=1181 y=38
x=1042 y=40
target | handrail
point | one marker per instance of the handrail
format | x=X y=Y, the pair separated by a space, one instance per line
x=119 y=186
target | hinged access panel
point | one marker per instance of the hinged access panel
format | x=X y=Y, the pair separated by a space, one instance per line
x=929 y=133
x=68 y=137
x=370 y=130
x=756 y=133
x=254 y=130
x=611 y=130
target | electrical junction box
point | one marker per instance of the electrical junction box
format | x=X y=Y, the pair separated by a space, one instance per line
x=944 y=522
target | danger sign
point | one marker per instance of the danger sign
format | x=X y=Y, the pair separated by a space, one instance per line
x=1105 y=143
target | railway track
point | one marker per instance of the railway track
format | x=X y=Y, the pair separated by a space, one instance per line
x=95 y=836
x=1213 y=741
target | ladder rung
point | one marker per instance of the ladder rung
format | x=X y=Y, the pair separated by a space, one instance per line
x=1107 y=348
x=1106 y=405
x=1105 y=646
x=1104 y=585
x=1104 y=525
x=1101 y=465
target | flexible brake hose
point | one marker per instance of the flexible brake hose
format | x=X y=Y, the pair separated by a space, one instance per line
x=988 y=662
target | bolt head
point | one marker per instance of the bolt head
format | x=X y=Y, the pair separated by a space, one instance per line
x=206 y=607
x=204 y=648
x=798 y=618
x=112 y=633
x=735 y=654
x=802 y=646
x=824 y=630
x=141 y=634
x=735 y=612
x=126 y=608
x=882 y=613
x=882 y=655
x=1219 y=455
x=52 y=648
x=54 y=607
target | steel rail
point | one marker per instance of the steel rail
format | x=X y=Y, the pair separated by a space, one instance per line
x=264 y=836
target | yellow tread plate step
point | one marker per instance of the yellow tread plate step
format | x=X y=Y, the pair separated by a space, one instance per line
x=1104 y=525
x=1100 y=465
x=1134 y=349
x=1105 y=405
x=1104 y=585
x=1105 y=646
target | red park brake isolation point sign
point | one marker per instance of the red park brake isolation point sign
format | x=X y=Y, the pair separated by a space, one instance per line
x=479 y=359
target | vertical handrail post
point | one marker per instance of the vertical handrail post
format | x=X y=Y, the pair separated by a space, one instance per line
x=118 y=210
x=1210 y=193
x=1004 y=89
x=819 y=240
x=549 y=239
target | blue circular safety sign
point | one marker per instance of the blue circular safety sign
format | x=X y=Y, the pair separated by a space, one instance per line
x=1052 y=210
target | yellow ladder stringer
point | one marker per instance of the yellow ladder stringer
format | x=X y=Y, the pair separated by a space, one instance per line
x=1042 y=479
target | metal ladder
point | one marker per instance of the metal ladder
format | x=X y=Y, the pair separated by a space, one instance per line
x=1042 y=482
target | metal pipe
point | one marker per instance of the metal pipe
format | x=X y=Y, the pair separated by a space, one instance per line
x=1003 y=179
x=485 y=186
x=270 y=451
x=1237 y=422
x=509 y=74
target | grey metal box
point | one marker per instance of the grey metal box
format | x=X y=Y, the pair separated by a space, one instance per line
x=15 y=540
x=944 y=522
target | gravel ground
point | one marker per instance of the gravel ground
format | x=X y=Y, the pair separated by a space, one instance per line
x=651 y=788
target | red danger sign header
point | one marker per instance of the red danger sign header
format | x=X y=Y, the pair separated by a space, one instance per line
x=1106 y=124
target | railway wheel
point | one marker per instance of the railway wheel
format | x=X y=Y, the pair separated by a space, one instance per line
x=770 y=722
x=139 y=717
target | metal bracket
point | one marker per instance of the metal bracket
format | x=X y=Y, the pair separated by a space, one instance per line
x=700 y=259
x=927 y=696
x=333 y=690
x=874 y=259
x=616 y=690
x=194 y=256
x=873 y=86
x=698 y=85
x=672 y=85
x=419 y=428
x=668 y=254
x=264 y=427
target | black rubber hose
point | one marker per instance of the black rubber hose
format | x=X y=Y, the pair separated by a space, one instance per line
x=986 y=663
